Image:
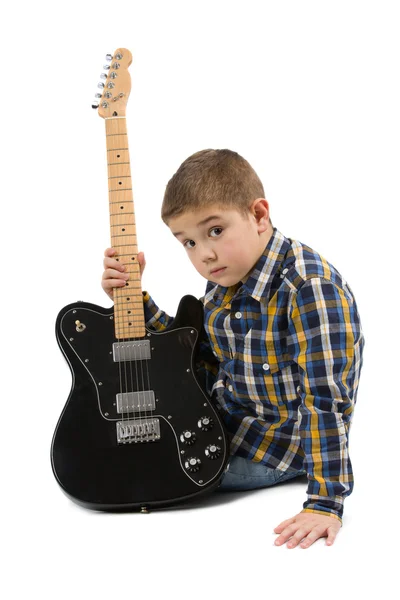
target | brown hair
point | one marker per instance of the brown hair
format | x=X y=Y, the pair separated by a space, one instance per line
x=211 y=177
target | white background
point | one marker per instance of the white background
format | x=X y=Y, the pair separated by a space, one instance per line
x=308 y=93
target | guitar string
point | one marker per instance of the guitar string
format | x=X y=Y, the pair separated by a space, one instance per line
x=117 y=301
x=141 y=393
x=117 y=323
x=128 y=339
x=130 y=387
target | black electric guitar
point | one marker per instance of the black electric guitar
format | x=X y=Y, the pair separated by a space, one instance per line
x=138 y=429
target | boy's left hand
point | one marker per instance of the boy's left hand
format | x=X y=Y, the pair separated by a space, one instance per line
x=310 y=526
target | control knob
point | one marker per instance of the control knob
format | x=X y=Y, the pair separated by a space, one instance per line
x=205 y=423
x=188 y=437
x=192 y=464
x=212 y=451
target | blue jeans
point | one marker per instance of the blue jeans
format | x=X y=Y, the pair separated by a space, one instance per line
x=244 y=474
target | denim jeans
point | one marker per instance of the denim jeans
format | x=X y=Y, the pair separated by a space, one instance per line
x=244 y=474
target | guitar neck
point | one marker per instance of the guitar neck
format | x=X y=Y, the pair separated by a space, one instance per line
x=129 y=319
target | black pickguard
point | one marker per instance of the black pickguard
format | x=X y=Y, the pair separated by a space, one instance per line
x=89 y=463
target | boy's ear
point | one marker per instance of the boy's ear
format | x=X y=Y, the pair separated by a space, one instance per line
x=260 y=209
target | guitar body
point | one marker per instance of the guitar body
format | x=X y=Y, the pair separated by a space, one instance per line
x=137 y=429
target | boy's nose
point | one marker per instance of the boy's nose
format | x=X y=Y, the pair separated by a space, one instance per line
x=207 y=254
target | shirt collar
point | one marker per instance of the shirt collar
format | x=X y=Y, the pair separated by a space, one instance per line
x=258 y=281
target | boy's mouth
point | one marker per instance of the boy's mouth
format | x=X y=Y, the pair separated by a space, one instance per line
x=218 y=271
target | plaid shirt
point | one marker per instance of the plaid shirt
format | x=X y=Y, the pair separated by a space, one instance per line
x=282 y=357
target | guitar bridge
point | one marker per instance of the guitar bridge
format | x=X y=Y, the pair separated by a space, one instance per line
x=138 y=430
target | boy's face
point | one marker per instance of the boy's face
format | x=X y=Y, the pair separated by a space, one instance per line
x=222 y=245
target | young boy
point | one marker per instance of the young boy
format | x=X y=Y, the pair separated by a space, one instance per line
x=282 y=347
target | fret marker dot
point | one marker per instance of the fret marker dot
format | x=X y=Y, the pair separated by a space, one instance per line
x=121 y=207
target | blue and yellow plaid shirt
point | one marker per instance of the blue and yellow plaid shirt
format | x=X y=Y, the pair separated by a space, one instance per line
x=282 y=358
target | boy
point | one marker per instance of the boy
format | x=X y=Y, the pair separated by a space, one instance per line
x=282 y=347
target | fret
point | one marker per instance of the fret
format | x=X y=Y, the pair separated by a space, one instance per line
x=139 y=302
x=129 y=293
x=110 y=150
x=121 y=214
x=130 y=318
x=124 y=214
x=115 y=235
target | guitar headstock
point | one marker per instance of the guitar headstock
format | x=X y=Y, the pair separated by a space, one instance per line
x=115 y=85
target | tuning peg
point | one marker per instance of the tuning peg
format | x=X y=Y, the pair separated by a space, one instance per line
x=106 y=67
x=103 y=75
x=109 y=57
x=95 y=104
x=98 y=95
x=100 y=85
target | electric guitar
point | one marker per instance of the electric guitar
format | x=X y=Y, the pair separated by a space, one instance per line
x=138 y=431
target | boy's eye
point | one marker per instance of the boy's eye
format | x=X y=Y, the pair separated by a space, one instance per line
x=214 y=228
x=192 y=244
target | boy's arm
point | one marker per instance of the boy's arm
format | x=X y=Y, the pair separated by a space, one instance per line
x=326 y=341
x=155 y=319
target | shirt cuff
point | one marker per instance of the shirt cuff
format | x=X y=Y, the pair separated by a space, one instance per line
x=325 y=513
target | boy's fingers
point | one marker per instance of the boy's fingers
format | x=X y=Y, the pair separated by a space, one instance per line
x=109 y=284
x=111 y=263
x=331 y=536
x=114 y=274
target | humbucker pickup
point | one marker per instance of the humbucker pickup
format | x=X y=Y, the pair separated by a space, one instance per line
x=131 y=350
x=135 y=401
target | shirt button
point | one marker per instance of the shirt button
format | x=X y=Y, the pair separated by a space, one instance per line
x=298 y=389
x=266 y=367
x=230 y=388
x=238 y=315
x=285 y=271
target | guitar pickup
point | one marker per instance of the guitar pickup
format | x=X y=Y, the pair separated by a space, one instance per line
x=135 y=401
x=138 y=350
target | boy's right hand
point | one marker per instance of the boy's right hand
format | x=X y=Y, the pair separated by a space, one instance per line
x=115 y=274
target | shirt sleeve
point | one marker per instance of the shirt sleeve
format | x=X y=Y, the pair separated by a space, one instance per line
x=206 y=363
x=326 y=341
x=155 y=318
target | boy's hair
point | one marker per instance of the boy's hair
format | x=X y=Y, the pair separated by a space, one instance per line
x=211 y=177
